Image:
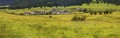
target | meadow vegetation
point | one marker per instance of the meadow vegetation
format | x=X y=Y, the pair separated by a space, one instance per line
x=14 y=25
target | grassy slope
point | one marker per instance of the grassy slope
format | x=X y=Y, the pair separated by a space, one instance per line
x=60 y=26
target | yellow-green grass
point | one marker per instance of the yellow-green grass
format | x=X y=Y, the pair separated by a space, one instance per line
x=59 y=26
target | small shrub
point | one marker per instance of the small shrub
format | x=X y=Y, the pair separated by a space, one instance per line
x=106 y=12
x=110 y=12
x=79 y=18
x=85 y=10
x=95 y=13
x=21 y=14
x=91 y=13
x=100 y=12
x=50 y=16
x=83 y=18
x=75 y=18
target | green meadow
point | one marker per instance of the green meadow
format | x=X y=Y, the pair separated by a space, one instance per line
x=60 y=26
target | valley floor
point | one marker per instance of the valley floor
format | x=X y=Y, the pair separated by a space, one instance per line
x=60 y=26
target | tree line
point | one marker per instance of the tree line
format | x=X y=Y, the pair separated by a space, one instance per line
x=50 y=3
x=116 y=2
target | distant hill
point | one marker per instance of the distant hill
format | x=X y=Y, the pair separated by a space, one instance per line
x=37 y=3
x=6 y=2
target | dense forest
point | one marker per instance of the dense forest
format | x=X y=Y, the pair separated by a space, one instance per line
x=36 y=3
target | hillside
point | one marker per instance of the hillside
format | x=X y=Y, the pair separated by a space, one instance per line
x=60 y=19
x=37 y=3
x=6 y=2
x=60 y=26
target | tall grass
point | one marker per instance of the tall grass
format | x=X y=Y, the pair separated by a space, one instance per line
x=60 y=26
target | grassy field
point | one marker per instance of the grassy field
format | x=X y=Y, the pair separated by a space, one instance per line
x=60 y=26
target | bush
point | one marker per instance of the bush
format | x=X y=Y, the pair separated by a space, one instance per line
x=50 y=16
x=95 y=12
x=79 y=18
x=100 y=12
x=108 y=12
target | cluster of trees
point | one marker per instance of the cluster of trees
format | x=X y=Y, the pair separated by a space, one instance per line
x=36 y=3
x=93 y=12
x=116 y=2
